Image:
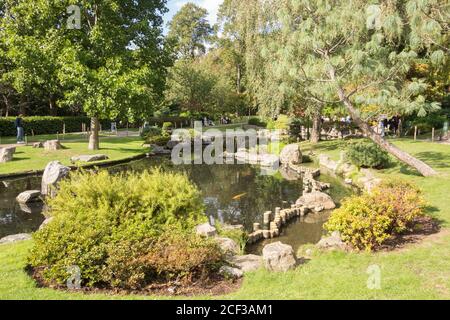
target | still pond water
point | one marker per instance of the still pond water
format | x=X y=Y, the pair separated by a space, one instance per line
x=233 y=194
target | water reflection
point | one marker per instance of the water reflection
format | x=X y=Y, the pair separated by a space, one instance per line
x=15 y=218
x=233 y=194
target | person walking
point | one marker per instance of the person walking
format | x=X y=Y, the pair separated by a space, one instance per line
x=20 y=132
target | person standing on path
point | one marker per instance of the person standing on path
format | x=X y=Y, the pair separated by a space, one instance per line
x=19 y=126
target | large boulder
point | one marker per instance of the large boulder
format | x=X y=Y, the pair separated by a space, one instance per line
x=316 y=199
x=291 y=154
x=52 y=145
x=247 y=263
x=228 y=246
x=172 y=144
x=206 y=230
x=89 y=158
x=15 y=238
x=333 y=242
x=53 y=173
x=6 y=154
x=279 y=257
x=38 y=145
x=29 y=196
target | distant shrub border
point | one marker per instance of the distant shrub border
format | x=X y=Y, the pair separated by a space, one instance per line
x=47 y=125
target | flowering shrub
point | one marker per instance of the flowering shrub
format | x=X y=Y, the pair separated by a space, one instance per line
x=368 y=220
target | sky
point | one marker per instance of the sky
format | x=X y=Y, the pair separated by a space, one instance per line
x=211 y=5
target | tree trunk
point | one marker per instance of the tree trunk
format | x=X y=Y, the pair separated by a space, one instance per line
x=238 y=81
x=403 y=156
x=316 y=127
x=5 y=99
x=51 y=105
x=94 y=143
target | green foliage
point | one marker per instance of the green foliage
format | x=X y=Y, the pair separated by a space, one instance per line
x=281 y=123
x=190 y=30
x=159 y=140
x=46 y=125
x=150 y=131
x=98 y=217
x=240 y=236
x=368 y=220
x=256 y=121
x=366 y=155
x=167 y=127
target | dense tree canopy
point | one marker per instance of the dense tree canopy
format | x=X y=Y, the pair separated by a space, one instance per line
x=112 y=65
x=190 y=31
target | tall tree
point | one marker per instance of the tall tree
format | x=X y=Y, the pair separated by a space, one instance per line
x=112 y=61
x=345 y=53
x=190 y=30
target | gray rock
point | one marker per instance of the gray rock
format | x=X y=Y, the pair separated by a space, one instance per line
x=89 y=158
x=37 y=145
x=29 y=196
x=278 y=257
x=247 y=263
x=52 y=145
x=206 y=230
x=231 y=272
x=54 y=172
x=7 y=154
x=333 y=242
x=159 y=150
x=291 y=154
x=228 y=246
x=316 y=199
x=15 y=238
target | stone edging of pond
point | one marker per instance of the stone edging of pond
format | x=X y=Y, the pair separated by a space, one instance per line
x=274 y=222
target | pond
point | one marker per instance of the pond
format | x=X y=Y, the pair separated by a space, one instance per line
x=233 y=194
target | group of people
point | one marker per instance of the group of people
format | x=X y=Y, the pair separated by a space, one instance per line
x=392 y=125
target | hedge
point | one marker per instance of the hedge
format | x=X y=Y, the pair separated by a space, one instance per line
x=46 y=125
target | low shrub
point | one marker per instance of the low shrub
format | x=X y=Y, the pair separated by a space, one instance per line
x=126 y=230
x=256 y=121
x=368 y=220
x=150 y=131
x=281 y=123
x=160 y=140
x=367 y=155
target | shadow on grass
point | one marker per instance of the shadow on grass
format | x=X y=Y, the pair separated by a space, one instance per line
x=435 y=159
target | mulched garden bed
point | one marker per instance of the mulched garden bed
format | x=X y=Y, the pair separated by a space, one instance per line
x=218 y=285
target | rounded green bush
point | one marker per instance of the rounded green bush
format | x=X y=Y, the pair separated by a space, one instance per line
x=101 y=221
x=368 y=220
x=367 y=155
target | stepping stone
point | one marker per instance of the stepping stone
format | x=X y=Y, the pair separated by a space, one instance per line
x=89 y=158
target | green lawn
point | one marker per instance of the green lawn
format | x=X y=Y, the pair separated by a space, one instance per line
x=27 y=158
x=419 y=271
